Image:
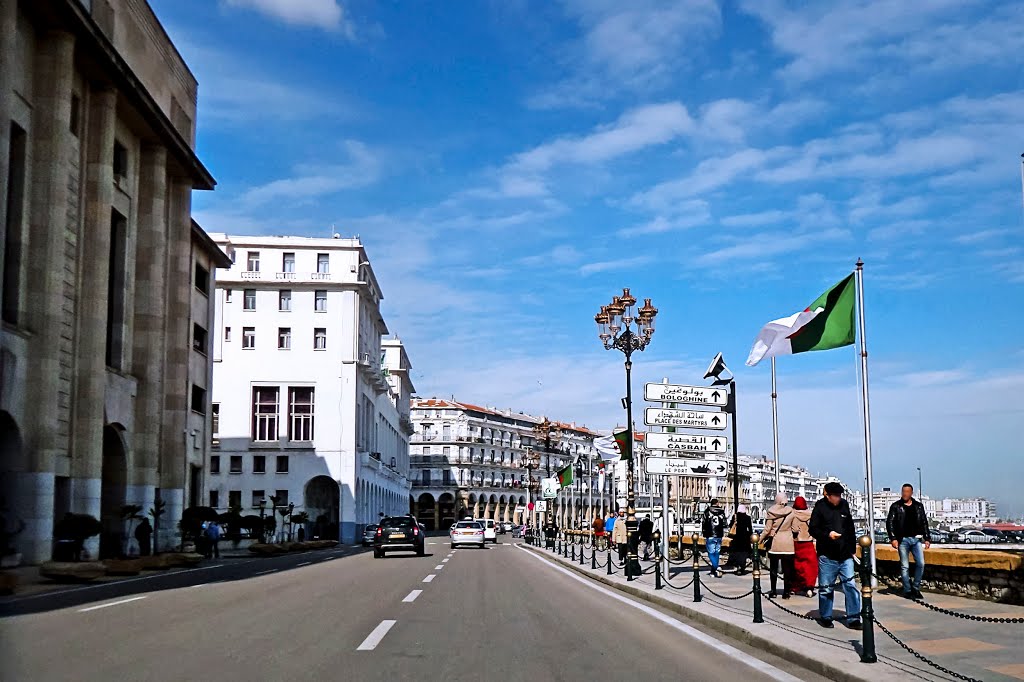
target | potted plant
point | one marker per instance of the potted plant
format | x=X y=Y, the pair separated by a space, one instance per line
x=73 y=530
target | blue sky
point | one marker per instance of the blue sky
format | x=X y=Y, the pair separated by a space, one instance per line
x=512 y=165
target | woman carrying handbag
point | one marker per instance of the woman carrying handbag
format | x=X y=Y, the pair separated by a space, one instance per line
x=781 y=548
x=805 y=558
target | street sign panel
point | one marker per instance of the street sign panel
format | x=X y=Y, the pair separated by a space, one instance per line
x=690 y=395
x=541 y=506
x=687 y=442
x=693 y=419
x=549 y=488
x=681 y=466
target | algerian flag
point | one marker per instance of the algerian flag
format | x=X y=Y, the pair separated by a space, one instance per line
x=565 y=477
x=625 y=447
x=825 y=324
x=607 y=448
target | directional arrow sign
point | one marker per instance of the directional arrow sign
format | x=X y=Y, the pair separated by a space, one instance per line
x=680 y=466
x=687 y=442
x=691 y=395
x=694 y=419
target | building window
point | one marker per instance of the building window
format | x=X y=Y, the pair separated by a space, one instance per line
x=300 y=408
x=259 y=464
x=214 y=498
x=250 y=300
x=258 y=496
x=252 y=261
x=199 y=338
x=13 y=262
x=446 y=450
x=248 y=338
x=264 y=413
x=236 y=464
x=282 y=464
x=320 y=338
x=426 y=477
x=284 y=338
x=234 y=499
x=320 y=300
x=214 y=464
x=202 y=280
x=116 y=289
x=215 y=420
x=446 y=432
x=446 y=477
x=198 y=399
x=227 y=295
x=282 y=498
x=227 y=334
x=120 y=161
x=426 y=449
x=288 y=262
x=323 y=261
x=284 y=300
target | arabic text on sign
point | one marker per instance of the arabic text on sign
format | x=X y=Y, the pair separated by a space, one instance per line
x=685 y=418
x=670 y=393
x=686 y=442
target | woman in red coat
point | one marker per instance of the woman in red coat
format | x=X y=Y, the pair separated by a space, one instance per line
x=805 y=560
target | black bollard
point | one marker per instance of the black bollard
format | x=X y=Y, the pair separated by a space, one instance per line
x=867 y=612
x=593 y=558
x=657 y=560
x=583 y=551
x=696 y=569
x=574 y=552
x=758 y=615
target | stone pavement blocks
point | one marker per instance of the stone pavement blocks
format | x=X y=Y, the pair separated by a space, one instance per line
x=1012 y=670
x=951 y=645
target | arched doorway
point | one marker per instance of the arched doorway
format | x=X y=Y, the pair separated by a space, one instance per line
x=425 y=511
x=113 y=489
x=446 y=510
x=492 y=508
x=322 y=501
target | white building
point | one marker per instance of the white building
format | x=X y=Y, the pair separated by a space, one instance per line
x=311 y=406
x=472 y=460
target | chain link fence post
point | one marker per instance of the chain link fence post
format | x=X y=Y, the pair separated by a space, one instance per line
x=758 y=614
x=696 y=569
x=867 y=654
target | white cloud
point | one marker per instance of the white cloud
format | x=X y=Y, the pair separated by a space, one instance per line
x=981 y=236
x=709 y=175
x=616 y=265
x=311 y=181
x=325 y=14
x=768 y=245
x=770 y=217
x=686 y=215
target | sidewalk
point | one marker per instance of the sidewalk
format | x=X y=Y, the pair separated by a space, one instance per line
x=976 y=650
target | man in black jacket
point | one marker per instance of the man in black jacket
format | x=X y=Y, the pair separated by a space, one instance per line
x=907 y=525
x=832 y=526
x=646 y=531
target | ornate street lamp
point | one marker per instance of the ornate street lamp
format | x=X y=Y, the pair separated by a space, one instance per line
x=549 y=430
x=615 y=329
x=531 y=462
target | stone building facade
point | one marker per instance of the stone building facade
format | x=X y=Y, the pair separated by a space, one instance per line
x=97 y=168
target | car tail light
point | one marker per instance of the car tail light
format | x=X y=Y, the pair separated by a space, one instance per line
x=415 y=532
x=379 y=531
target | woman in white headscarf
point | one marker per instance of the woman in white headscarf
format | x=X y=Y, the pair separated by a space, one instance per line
x=780 y=545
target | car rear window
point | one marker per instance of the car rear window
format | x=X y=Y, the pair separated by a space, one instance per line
x=397 y=522
x=467 y=524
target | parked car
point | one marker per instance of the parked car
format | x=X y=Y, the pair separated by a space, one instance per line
x=467 y=533
x=401 y=533
x=941 y=537
x=490 y=529
x=976 y=537
x=369 y=533
x=999 y=535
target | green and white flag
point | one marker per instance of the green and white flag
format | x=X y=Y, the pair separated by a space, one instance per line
x=625 y=447
x=825 y=324
x=565 y=477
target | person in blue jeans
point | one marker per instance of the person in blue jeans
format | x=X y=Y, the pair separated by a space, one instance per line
x=713 y=529
x=832 y=526
x=907 y=526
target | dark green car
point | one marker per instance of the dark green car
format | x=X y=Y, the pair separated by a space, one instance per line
x=398 y=533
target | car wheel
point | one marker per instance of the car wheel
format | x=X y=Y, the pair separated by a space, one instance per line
x=992 y=541
x=421 y=552
x=483 y=545
x=377 y=554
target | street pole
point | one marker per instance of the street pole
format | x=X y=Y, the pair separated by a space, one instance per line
x=775 y=431
x=920 y=487
x=867 y=410
x=735 y=449
x=632 y=560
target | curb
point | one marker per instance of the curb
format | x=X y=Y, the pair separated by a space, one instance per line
x=732 y=630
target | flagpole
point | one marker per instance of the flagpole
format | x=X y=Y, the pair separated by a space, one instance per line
x=775 y=431
x=866 y=407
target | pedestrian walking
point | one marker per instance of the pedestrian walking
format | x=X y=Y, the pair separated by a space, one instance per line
x=907 y=525
x=739 y=540
x=143 y=534
x=805 y=558
x=598 y=527
x=620 y=537
x=780 y=546
x=213 y=533
x=832 y=526
x=713 y=529
x=646 y=532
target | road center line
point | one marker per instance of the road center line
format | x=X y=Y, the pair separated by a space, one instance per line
x=731 y=652
x=412 y=596
x=374 y=638
x=444 y=561
x=269 y=570
x=438 y=567
x=429 y=578
x=113 y=603
x=304 y=563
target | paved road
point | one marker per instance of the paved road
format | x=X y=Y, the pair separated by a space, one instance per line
x=451 y=615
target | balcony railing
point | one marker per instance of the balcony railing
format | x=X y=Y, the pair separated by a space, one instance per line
x=252 y=274
x=284 y=275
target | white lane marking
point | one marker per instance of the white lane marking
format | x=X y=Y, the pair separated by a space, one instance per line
x=438 y=567
x=113 y=603
x=412 y=596
x=444 y=561
x=269 y=570
x=731 y=652
x=429 y=578
x=304 y=563
x=374 y=638
x=192 y=587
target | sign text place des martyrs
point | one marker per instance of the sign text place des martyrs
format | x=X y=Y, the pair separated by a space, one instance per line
x=678 y=466
x=693 y=419
x=687 y=442
x=690 y=395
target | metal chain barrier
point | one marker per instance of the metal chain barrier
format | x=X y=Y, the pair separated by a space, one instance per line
x=791 y=612
x=923 y=658
x=684 y=587
x=722 y=596
x=948 y=612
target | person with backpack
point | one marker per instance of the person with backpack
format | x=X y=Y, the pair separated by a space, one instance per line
x=213 y=533
x=713 y=529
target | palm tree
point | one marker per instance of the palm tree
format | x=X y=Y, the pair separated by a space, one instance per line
x=129 y=513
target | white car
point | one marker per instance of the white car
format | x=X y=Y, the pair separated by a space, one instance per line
x=467 y=533
x=490 y=529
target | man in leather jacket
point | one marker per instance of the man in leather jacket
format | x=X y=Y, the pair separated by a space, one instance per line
x=907 y=526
